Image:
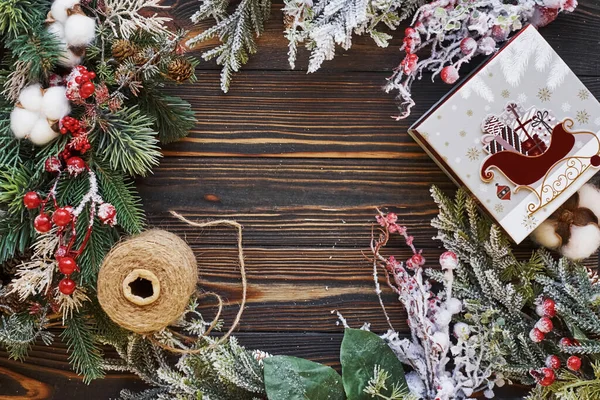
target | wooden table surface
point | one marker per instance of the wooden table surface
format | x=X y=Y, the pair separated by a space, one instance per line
x=302 y=161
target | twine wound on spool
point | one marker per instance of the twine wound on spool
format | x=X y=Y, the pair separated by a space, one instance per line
x=145 y=282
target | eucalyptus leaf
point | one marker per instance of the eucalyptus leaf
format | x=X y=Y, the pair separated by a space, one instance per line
x=361 y=351
x=292 y=378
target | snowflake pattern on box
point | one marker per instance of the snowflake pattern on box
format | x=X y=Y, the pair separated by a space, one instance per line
x=535 y=130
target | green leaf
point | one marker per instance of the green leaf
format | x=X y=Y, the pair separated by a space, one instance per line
x=292 y=378
x=361 y=351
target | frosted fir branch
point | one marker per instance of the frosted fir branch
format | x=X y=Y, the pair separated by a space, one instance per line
x=68 y=304
x=124 y=17
x=34 y=276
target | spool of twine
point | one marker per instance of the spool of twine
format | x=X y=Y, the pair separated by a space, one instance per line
x=145 y=282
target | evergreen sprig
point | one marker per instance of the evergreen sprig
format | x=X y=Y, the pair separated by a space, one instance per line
x=21 y=16
x=120 y=191
x=236 y=31
x=129 y=143
x=174 y=116
x=84 y=353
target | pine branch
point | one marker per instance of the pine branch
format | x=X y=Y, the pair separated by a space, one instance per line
x=120 y=191
x=129 y=143
x=18 y=17
x=174 y=116
x=84 y=354
x=18 y=332
x=236 y=32
x=102 y=238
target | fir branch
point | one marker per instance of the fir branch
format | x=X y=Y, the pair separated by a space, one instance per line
x=120 y=191
x=18 y=332
x=129 y=143
x=236 y=32
x=102 y=238
x=174 y=116
x=18 y=17
x=84 y=353
x=125 y=17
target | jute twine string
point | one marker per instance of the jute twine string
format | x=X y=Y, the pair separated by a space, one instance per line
x=167 y=263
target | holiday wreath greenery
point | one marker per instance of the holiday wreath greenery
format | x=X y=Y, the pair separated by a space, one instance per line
x=82 y=111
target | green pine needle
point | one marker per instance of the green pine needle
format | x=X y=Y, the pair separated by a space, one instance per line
x=19 y=16
x=118 y=190
x=174 y=116
x=102 y=238
x=129 y=144
x=84 y=353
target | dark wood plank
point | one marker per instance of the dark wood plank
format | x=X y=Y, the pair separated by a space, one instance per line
x=294 y=115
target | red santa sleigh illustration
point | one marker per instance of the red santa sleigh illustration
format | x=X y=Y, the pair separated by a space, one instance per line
x=539 y=162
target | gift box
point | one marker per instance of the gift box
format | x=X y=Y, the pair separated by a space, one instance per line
x=520 y=133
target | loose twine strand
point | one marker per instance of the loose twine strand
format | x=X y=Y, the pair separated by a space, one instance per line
x=238 y=317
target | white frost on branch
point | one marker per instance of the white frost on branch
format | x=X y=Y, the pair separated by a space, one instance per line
x=35 y=276
x=125 y=17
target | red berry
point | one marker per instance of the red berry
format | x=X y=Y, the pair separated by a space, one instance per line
x=408 y=32
x=548 y=378
x=468 y=45
x=565 y=342
x=574 y=363
x=41 y=223
x=92 y=75
x=87 y=89
x=536 y=335
x=544 y=324
x=66 y=286
x=62 y=216
x=63 y=130
x=549 y=308
x=552 y=361
x=542 y=16
x=75 y=166
x=67 y=265
x=79 y=79
x=449 y=74
x=32 y=200
x=499 y=34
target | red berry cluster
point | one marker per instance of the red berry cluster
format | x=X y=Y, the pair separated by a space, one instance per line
x=411 y=41
x=546 y=309
x=86 y=86
x=80 y=141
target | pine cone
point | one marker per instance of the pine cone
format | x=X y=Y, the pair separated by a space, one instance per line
x=122 y=49
x=180 y=70
x=10 y=303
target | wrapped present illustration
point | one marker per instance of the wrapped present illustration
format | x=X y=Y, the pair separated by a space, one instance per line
x=521 y=134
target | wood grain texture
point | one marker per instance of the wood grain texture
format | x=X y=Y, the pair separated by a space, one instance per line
x=302 y=161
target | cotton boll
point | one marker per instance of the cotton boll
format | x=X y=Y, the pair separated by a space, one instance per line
x=31 y=97
x=42 y=133
x=59 y=9
x=55 y=104
x=589 y=197
x=69 y=59
x=57 y=29
x=79 y=30
x=545 y=234
x=440 y=339
x=22 y=121
x=443 y=318
x=583 y=242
